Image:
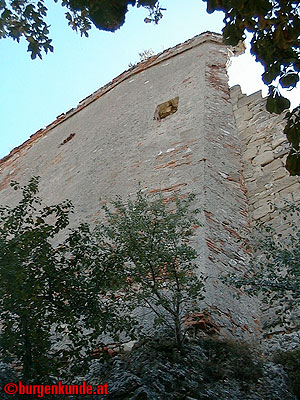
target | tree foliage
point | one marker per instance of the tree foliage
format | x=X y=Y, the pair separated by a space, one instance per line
x=274 y=272
x=155 y=264
x=64 y=292
x=291 y=363
x=275 y=25
x=51 y=308
x=28 y=18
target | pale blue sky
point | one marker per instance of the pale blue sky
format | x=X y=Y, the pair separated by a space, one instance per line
x=34 y=92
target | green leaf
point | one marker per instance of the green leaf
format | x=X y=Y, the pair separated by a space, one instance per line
x=293 y=163
x=271 y=73
x=288 y=80
x=292 y=128
x=293 y=135
x=214 y=5
x=277 y=103
x=270 y=106
x=232 y=34
x=282 y=104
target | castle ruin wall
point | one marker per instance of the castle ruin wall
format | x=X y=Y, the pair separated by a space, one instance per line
x=264 y=149
x=115 y=140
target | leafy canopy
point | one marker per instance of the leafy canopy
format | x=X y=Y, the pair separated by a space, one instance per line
x=52 y=303
x=27 y=18
x=274 y=272
x=63 y=292
x=275 y=25
x=154 y=262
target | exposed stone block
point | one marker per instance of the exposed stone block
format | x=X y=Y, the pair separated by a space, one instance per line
x=292 y=188
x=260 y=203
x=279 y=173
x=278 y=141
x=261 y=211
x=167 y=108
x=265 y=147
x=257 y=141
x=296 y=195
x=235 y=91
x=249 y=99
x=247 y=133
x=260 y=116
x=248 y=172
x=266 y=218
x=272 y=166
x=257 y=107
x=288 y=185
x=242 y=124
x=264 y=158
x=281 y=198
x=262 y=181
x=281 y=150
x=243 y=114
x=250 y=153
x=251 y=186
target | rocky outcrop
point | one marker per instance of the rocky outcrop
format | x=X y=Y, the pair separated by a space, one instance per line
x=206 y=369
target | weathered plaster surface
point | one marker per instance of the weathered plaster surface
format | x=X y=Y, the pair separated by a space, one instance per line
x=111 y=142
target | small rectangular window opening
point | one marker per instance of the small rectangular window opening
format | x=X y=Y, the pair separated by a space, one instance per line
x=166 y=108
x=68 y=139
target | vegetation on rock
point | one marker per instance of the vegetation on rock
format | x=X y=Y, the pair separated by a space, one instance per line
x=7 y=374
x=291 y=363
x=61 y=290
x=154 y=262
x=274 y=272
x=204 y=369
x=59 y=297
x=51 y=308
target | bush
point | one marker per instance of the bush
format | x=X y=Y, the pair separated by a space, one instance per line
x=231 y=360
x=152 y=260
x=50 y=305
x=274 y=271
x=7 y=375
x=290 y=360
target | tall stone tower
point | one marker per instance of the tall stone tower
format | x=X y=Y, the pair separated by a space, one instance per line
x=169 y=124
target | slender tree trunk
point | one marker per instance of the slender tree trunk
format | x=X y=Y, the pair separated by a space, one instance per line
x=178 y=327
x=27 y=358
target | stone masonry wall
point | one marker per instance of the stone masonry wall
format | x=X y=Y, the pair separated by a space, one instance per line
x=111 y=142
x=226 y=216
x=264 y=151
